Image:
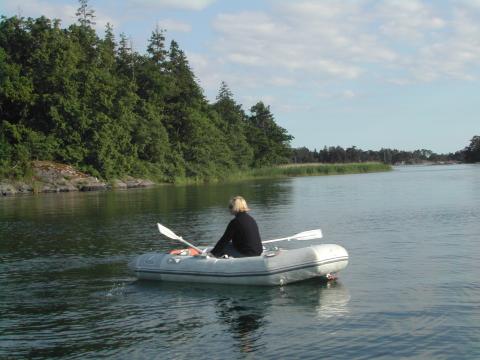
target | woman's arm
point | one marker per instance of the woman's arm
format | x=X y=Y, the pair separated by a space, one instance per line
x=227 y=236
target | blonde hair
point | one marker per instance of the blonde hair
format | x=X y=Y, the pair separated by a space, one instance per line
x=238 y=204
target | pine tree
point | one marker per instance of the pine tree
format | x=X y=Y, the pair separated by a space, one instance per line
x=233 y=124
x=271 y=143
x=156 y=46
x=85 y=14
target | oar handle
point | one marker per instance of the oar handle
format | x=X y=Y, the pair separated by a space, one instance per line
x=305 y=235
x=191 y=245
x=275 y=240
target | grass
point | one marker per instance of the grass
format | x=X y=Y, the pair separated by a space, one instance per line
x=315 y=169
x=290 y=170
x=281 y=171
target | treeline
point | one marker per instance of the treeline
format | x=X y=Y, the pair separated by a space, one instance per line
x=337 y=154
x=471 y=154
x=70 y=96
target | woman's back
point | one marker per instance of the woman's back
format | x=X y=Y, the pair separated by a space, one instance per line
x=246 y=238
x=242 y=231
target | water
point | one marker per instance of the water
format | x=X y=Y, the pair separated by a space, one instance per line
x=411 y=290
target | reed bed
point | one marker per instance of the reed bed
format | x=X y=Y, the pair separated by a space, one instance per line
x=313 y=169
x=291 y=170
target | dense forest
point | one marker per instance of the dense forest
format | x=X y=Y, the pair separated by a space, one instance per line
x=71 y=96
x=337 y=154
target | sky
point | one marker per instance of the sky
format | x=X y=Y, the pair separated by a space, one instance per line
x=401 y=74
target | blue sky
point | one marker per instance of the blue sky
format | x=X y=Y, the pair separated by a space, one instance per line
x=396 y=73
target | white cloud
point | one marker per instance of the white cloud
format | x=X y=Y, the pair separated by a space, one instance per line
x=193 y=5
x=348 y=94
x=248 y=100
x=35 y=8
x=309 y=43
x=206 y=70
x=474 y=4
x=281 y=81
x=315 y=42
x=456 y=56
x=407 y=19
x=324 y=47
x=343 y=94
x=245 y=59
x=174 y=25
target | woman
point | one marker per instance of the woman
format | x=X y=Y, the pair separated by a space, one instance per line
x=242 y=231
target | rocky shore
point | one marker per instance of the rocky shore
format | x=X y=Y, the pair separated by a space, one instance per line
x=50 y=177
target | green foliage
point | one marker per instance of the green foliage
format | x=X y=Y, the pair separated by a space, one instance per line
x=269 y=141
x=5 y=157
x=311 y=170
x=85 y=14
x=337 y=154
x=231 y=119
x=472 y=151
x=19 y=145
x=70 y=96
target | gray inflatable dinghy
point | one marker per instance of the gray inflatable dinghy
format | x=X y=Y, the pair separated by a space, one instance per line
x=273 y=267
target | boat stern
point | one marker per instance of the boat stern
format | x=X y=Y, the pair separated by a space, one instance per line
x=331 y=258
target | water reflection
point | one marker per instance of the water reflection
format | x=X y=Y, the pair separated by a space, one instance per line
x=124 y=221
x=245 y=322
x=245 y=313
x=317 y=298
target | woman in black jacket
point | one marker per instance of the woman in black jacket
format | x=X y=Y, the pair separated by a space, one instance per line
x=242 y=231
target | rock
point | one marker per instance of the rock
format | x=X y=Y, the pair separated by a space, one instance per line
x=48 y=188
x=23 y=188
x=51 y=177
x=7 y=189
x=132 y=183
x=119 y=184
x=67 y=188
x=147 y=183
x=93 y=187
x=138 y=183
x=91 y=184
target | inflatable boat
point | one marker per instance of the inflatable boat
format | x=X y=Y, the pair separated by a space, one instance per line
x=273 y=267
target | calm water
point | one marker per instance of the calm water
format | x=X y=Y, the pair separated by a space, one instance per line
x=411 y=290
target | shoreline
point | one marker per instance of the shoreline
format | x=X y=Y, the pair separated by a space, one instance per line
x=50 y=177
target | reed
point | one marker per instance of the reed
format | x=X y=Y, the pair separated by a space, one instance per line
x=311 y=169
x=290 y=170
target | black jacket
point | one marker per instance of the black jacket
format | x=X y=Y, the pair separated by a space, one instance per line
x=243 y=231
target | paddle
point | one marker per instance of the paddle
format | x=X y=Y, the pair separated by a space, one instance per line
x=304 y=235
x=170 y=234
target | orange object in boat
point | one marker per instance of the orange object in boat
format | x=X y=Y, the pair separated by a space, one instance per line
x=185 y=252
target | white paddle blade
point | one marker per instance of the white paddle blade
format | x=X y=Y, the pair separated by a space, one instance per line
x=170 y=234
x=167 y=232
x=305 y=235
x=308 y=235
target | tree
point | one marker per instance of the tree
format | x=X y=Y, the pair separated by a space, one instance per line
x=126 y=59
x=71 y=96
x=232 y=120
x=156 y=46
x=85 y=14
x=270 y=142
x=472 y=151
